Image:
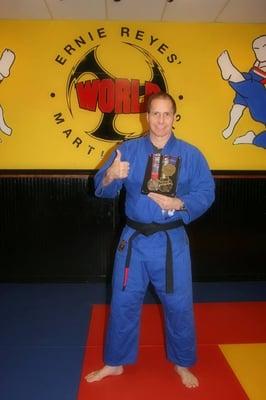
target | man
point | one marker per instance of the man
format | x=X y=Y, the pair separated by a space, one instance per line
x=141 y=258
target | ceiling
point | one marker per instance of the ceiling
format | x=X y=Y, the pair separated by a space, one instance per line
x=234 y=11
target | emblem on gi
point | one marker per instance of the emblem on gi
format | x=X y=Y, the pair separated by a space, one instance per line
x=161 y=174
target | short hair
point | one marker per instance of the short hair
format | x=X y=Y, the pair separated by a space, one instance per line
x=160 y=95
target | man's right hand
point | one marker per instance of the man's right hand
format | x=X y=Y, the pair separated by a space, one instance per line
x=118 y=170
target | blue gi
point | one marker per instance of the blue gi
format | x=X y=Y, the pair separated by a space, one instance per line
x=196 y=189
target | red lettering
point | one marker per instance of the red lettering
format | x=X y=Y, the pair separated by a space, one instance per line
x=106 y=96
x=122 y=96
x=135 y=106
x=87 y=93
x=150 y=88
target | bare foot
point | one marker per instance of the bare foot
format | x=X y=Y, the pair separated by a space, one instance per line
x=245 y=139
x=3 y=126
x=225 y=65
x=107 y=370
x=6 y=60
x=227 y=132
x=228 y=70
x=187 y=378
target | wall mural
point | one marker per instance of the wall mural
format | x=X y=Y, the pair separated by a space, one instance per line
x=72 y=90
x=108 y=100
x=250 y=93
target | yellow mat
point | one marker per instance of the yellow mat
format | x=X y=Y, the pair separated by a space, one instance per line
x=248 y=362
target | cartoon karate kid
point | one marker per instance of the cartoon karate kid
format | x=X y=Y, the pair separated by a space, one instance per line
x=250 y=93
x=6 y=61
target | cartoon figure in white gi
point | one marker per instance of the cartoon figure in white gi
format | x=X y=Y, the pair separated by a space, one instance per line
x=250 y=93
x=154 y=246
x=6 y=61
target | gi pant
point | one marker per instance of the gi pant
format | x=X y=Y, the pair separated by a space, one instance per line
x=148 y=265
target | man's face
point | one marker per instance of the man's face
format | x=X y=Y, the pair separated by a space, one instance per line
x=161 y=117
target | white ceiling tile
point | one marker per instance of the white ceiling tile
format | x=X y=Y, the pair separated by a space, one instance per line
x=142 y=10
x=249 y=11
x=23 y=9
x=243 y=11
x=193 y=10
x=77 y=9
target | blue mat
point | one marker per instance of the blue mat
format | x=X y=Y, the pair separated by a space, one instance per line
x=44 y=330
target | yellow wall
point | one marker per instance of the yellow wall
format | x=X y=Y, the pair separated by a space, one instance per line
x=36 y=89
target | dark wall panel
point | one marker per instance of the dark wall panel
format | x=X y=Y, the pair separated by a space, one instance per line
x=52 y=228
x=229 y=241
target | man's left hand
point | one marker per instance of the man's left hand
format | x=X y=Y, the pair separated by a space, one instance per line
x=166 y=202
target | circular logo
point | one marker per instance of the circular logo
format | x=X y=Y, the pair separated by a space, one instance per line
x=108 y=97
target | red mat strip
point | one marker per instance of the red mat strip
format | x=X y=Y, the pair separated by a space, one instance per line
x=216 y=323
x=153 y=376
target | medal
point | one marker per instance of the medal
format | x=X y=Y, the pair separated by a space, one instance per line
x=165 y=185
x=168 y=169
x=153 y=184
x=161 y=174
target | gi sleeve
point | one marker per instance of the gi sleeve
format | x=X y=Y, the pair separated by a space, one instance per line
x=201 y=191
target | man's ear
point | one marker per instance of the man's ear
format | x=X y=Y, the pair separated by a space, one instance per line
x=147 y=116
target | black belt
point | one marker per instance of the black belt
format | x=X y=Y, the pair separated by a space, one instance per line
x=147 y=230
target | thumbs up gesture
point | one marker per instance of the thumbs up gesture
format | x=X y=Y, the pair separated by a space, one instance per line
x=118 y=169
